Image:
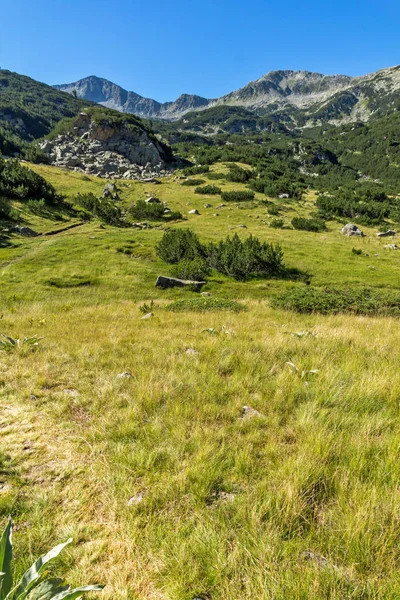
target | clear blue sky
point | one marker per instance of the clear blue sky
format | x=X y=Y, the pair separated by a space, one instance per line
x=162 y=48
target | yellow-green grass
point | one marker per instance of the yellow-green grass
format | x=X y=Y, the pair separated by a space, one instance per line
x=316 y=476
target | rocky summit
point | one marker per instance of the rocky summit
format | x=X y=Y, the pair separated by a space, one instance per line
x=110 y=148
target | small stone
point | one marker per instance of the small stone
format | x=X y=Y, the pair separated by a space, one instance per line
x=192 y=351
x=71 y=392
x=249 y=413
x=208 y=206
x=206 y=294
x=148 y=316
x=136 y=499
x=125 y=375
x=194 y=211
x=32 y=397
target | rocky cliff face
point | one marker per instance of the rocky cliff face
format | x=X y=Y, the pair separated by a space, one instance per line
x=307 y=98
x=106 y=148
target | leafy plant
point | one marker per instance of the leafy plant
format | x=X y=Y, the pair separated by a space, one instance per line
x=34 y=583
x=9 y=344
x=146 y=308
x=302 y=374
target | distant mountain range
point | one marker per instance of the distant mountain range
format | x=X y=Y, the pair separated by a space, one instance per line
x=301 y=98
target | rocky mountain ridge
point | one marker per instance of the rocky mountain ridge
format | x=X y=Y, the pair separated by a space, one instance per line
x=301 y=97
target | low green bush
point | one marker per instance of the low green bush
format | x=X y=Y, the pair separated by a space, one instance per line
x=178 y=245
x=196 y=269
x=304 y=224
x=101 y=208
x=237 y=196
x=238 y=175
x=142 y=210
x=17 y=181
x=242 y=259
x=277 y=223
x=208 y=189
x=362 y=301
x=207 y=304
x=198 y=170
x=193 y=182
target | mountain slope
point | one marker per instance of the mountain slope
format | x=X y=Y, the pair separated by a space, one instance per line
x=298 y=97
x=30 y=109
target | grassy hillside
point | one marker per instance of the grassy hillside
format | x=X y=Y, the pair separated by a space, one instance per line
x=168 y=492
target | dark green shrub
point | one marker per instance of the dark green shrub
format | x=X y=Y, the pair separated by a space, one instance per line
x=215 y=176
x=196 y=269
x=193 y=182
x=241 y=259
x=362 y=301
x=277 y=223
x=147 y=210
x=208 y=189
x=20 y=182
x=179 y=244
x=99 y=207
x=196 y=170
x=239 y=196
x=238 y=175
x=308 y=224
x=273 y=210
x=205 y=305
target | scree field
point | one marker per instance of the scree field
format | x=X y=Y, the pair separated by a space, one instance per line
x=168 y=486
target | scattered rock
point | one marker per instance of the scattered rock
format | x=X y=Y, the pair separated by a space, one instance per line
x=318 y=559
x=148 y=316
x=125 y=375
x=194 y=211
x=221 y=206
x=206 y=294
x=111 y=150
x=387 y=233
x=170 y=282
x=153 y=200
x=192 y=351
x=208 y=206
x=215 y=215
x=32 y=397
x=391 y=246
x=283 y=196
x=25 y=231
x=4 y=488
x=136 y=499
x=71 y=392
x=351 y=229
x=250 y=413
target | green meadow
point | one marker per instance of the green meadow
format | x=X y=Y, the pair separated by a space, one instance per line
x=170 y=489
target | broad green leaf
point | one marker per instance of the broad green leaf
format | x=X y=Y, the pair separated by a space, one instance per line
x=46 y=590
x=77 y=592
x=33 y=573
x=5 y=559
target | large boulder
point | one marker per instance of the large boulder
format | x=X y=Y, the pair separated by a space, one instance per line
x=170 y=282
x=25 y=231
x=350 y=229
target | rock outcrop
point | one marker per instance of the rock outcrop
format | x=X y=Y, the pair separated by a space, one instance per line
x=108 y=148
x=351 y=229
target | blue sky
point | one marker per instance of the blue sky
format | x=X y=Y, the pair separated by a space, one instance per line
x=162 y=48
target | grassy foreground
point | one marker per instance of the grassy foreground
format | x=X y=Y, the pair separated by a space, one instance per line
x=168 y=492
